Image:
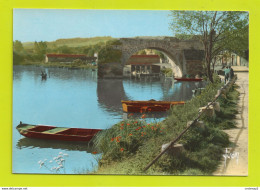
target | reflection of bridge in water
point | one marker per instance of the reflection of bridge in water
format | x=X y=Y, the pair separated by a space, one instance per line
x=111 y=92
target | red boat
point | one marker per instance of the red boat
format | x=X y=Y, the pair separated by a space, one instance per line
x=148 y=106
x=56 y=133
x=188 y=79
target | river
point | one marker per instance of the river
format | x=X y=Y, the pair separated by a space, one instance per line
x=76 y=98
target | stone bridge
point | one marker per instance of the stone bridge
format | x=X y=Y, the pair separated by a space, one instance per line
x=187 y=55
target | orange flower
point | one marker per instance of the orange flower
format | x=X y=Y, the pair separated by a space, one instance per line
x=131 y=114
x=136 y=121
x=143 y=133
x=121 y=128
x=94 y=152
x=122 y=149
x=122 y=124
x=144 y=126
x=143 y=116
x=148 y=124
x=128 y=123
x=130 y=134
x=117 y=138
x=112 y=139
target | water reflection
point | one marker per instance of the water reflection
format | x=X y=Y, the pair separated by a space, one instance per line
x=110 y=93
x=62 y=145
x=76 y=98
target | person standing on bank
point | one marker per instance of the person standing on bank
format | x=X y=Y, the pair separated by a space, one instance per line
x=231 y=74
x=227 y=71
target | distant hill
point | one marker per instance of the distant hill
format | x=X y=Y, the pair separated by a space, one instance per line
x=72 y=42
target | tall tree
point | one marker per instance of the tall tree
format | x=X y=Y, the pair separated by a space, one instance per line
x=40 y=48
x=217 y=30
x=18 y=46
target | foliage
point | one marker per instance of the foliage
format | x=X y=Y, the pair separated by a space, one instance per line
x=64 y=49
x=34 y=51
x=17 y=58
x=124 y=138
x=40 y=48
x=167 y=72
x=109 y=55
x=162 y=56
x=217 y=30
x=78 y=62
x=18 y=46
x=141 y=52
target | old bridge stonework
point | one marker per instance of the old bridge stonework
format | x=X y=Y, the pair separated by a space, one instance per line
x=186 y=54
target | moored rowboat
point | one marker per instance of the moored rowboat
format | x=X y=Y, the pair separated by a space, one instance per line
x=148 y=106
x=188 y=79
x=56 y=133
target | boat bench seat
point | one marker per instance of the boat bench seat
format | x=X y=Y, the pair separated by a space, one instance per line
x=28 y=127
x=55 y=130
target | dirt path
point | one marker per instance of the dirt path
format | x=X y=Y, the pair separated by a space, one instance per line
x=236 y=162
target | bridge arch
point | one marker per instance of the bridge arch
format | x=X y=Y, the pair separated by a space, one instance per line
x=175 y=49
x=174 y=57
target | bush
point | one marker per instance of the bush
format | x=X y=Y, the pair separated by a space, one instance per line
x=126 y=137
x=167 y=72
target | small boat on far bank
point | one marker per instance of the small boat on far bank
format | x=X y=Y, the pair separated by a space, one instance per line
x=188 y=79
x=149 y=106
x=56 y=133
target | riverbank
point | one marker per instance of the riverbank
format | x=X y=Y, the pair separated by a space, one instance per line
x=130 y=145
x=60 y=65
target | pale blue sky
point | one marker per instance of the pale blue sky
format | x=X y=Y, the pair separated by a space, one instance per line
x=53 y=24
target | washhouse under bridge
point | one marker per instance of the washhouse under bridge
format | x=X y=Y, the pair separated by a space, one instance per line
x=185 y=56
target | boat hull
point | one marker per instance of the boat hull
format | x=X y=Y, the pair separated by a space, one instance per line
x=188 y=79
x=56 y=133
x=148 y=106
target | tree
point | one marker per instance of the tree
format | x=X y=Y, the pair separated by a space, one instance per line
x=217 y=30
x=18 y=46
x=141 y=52
x=65 y=49
x=40 y=48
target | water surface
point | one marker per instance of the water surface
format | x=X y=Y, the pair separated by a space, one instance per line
x=76 y=98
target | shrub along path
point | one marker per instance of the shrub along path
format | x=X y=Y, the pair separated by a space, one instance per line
x=238 y=165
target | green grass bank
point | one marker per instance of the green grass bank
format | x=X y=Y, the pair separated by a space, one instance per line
x=128 y=146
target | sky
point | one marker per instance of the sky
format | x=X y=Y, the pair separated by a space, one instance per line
x=52 y=24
